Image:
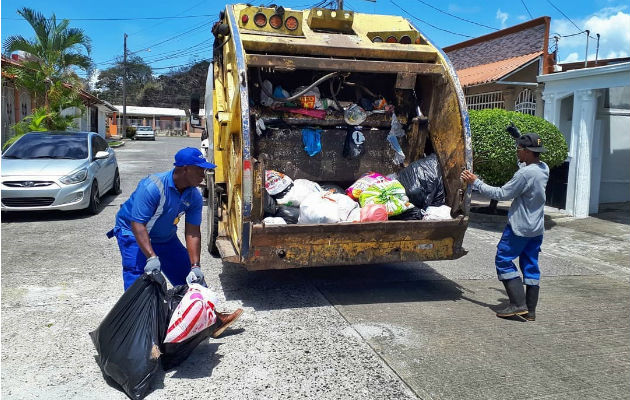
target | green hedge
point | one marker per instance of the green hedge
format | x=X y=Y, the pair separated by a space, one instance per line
x=494 y=154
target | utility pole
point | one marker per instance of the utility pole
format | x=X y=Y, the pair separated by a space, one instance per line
x=586 y=56
x=124 y=115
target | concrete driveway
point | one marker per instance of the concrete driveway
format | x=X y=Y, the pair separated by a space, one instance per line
x=424 y=330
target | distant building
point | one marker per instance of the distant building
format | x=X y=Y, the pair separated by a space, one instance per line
x=499 y=70
x=165 y=121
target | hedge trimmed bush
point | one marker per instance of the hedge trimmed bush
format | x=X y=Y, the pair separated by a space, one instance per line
x=494 y=150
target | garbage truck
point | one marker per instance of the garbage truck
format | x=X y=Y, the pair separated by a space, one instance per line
x=337 y=75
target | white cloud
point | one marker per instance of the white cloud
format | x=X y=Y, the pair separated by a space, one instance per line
x=521 y=18
x=612 y=25
x=502 y=17
x=455 y=8
x=570 y=58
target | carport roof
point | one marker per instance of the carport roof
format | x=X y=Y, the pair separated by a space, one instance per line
x=151 y=111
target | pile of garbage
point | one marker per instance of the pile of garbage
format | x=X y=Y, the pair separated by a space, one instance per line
x=416 y=192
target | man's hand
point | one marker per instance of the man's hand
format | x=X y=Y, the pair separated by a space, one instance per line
x=195 y=275
x=468 y=176
x=153 y=264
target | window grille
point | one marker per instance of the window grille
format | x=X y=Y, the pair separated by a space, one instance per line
x=482 y=101
x=525 y=102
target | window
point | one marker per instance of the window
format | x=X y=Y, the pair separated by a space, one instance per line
x=525 y=102
x=482 y=101
x=98 y=144
x=617 y=97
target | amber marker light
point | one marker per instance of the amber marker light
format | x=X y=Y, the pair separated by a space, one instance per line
x=275 y=21
x=260 y=20
x=291 y=23
x=392 y=39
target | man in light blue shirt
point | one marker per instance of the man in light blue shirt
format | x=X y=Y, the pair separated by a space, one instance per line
x=523 y=234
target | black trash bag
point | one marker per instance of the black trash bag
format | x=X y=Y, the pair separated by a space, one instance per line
x=128 y=340
x=176 y=353
x=408 y=215
x=270 y=206
x=331 y=187
x=353 y=147
x=288 y=213
x=423 y=183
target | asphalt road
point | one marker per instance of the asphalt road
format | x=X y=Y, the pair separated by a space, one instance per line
x=424 y=330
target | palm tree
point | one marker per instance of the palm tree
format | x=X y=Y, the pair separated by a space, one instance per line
x=53 y=52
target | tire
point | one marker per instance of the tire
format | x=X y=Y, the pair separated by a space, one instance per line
x=116 y=185
x=95 y=201
x=212 y=222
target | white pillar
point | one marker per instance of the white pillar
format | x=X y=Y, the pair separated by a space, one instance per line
x=579 y=186
x=552 y=108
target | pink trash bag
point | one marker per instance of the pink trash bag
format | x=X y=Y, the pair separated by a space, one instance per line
x=193 y=314
x=373 y=213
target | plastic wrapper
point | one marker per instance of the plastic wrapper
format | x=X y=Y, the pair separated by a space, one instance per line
x=308 y=99
x=300 y=190
x=276 y=182
x=128 y=340
x=395 y=132
x=423 y=183
x=312 y=141
x=366 y=180
x=373 y=213
x=353 y=145
x=437 y=213
x=354 y=115
x=265 y=99
x=289 y=214
x=274 y=221
x=391 y=194
x=193 y=314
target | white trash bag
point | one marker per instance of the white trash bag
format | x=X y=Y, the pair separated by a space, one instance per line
x=436 y=213
x=274 y=221
x=300 y=190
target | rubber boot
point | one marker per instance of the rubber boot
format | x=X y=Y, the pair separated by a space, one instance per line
x=516 y=293
x=531 y=298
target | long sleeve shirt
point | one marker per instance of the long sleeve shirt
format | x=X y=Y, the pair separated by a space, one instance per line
x=527 y=188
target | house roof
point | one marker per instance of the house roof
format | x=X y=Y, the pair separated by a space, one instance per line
x=485 y=73
x=493 y=56
x=151 y=111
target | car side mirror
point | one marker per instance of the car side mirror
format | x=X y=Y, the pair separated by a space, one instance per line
x=101 y=155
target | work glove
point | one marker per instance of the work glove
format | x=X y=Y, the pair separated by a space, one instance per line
x=195 y=276
x=153 y=264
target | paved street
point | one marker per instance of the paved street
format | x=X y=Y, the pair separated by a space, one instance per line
x=424 y=330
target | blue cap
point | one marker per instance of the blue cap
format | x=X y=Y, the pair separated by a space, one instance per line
x=191 y=156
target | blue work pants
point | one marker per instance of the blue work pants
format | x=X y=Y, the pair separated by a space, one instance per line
x=526 y=249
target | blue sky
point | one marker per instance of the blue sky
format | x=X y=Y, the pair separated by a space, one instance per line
x=171 y=42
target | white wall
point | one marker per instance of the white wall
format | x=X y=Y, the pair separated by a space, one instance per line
x=615 y=175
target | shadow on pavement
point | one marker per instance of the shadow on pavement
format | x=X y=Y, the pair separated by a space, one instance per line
x=343 y=285
x=53 y=215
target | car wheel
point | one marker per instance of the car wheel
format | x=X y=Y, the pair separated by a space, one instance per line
x=95 y=201
x=116 y=186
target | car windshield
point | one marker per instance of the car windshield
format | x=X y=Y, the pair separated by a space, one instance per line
x=144 y=128
x=42 y=145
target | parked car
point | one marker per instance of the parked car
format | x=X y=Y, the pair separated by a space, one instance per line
x=145 y=132
x=58 y=171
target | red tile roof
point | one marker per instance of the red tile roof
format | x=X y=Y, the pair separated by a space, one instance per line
x=493 y=71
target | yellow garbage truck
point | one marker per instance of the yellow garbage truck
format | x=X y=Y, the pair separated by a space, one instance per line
x=277 y=73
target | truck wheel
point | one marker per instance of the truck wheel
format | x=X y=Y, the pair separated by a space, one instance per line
x=212 y=218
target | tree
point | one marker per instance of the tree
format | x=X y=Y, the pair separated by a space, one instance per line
x=109 y=83
x=494 y=156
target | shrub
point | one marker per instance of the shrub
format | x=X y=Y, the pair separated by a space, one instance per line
x=494 y=155
x=130 y=132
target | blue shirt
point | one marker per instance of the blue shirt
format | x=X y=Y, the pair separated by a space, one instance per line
x=527 y=188
x=158 y=204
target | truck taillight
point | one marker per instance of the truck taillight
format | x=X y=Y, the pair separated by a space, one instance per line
x=291 y=23
x=392 y=39
x=418 y=40
x=244 y=19
x=275 y=21
x=260 y=20
x=405 y=40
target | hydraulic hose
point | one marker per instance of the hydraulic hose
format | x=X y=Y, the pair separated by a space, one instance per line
x=312 y=85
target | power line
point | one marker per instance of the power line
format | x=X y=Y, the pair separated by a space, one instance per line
x=530 y=14
x=118 y=19
x=565 y=16
x=431 y=25
x=455 y=16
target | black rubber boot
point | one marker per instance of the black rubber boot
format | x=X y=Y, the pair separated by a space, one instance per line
x=531 y=297
x=516 y=293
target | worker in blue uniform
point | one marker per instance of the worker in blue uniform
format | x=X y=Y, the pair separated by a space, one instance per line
x=146 y=225
x=523 y=234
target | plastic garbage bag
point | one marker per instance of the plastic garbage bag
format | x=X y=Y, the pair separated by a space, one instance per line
x=276 y=182
x=366 y=180
x=274 y=221
x=128 y=340
x=301 y=188
x=437 y=213
x=409 y=215
x=289 y=214
x=193 y=314
x=177 y=353
x=395 y=132
x=308 y=99
x=353 y=146
x=326 y=208
x=331 y=187
x=423 y=183
x=270 y=207
x=373 y=213
x=265 y=100
x=355 y=215
x=312 y=141
x=391 y=194
x=354 y=115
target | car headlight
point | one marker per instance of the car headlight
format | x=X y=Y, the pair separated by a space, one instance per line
x=75 y=177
